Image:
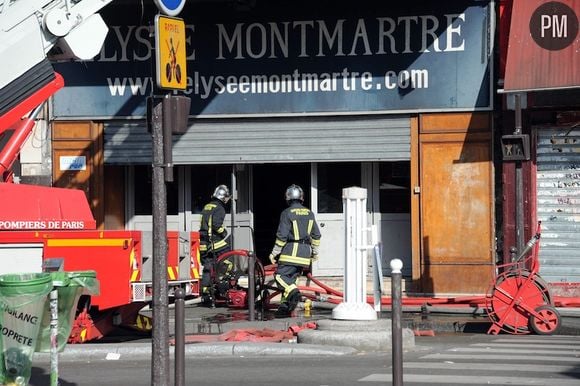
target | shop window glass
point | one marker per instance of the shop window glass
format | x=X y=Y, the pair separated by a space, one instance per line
x=332 y=178
x=204 y=179
x=144 y=196
x=394 y=187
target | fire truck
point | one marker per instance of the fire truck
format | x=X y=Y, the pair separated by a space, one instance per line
x=41 y=225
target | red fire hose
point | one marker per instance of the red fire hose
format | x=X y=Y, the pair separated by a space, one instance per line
x=336 y=296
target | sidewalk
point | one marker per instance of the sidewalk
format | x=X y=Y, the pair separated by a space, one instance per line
x=205 y=321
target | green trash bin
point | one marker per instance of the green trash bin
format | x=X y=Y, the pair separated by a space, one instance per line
x=85 y=279
x=23 y=299
x=70 y=286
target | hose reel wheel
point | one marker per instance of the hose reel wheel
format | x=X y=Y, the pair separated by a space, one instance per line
x=547 y=322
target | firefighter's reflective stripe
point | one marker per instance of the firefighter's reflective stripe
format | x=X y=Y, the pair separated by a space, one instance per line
x=172 y=273
x=313 y=242
x=219 y=244
x=87 y=242
x=143 y=323
x=229 y=266
x=295 y=234
x=287 y=287
x=214 y=244
x=303 y=261
x=293 y=258
x=212 y=231
x=210 y=226
x=296 y=237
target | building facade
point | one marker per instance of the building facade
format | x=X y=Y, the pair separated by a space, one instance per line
x=394 y=97
x=539 y=79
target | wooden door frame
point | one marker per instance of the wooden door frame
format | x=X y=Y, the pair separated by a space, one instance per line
x=445 y=127
x=85 y=136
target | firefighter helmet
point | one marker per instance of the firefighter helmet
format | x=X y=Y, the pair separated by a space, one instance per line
x=294 y=192
x=222 y=193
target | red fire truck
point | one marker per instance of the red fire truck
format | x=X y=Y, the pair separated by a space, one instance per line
x=38 y=223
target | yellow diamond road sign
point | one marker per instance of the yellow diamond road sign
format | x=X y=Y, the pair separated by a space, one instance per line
x=170 y=54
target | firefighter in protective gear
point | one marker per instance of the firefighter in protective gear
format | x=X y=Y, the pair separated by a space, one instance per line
x=213 y=238
x=296 y=246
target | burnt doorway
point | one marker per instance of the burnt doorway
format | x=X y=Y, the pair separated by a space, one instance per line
x=269 y=184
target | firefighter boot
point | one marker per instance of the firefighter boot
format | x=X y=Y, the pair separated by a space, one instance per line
x=293 y=299
x=283 y=311
x=206 y=299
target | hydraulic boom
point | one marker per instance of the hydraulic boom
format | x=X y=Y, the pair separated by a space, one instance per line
x=32 y=34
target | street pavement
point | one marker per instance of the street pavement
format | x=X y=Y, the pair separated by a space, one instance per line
x=202 y=323
x=443 y=359
x=491 y=360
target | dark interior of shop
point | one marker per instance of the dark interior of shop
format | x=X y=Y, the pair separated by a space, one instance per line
x=270 y=183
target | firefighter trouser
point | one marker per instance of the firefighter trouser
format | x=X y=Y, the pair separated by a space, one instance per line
x=208 y=260
x=286 y=278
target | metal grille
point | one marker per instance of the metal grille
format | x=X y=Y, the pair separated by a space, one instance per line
x=558 y=195
x=238 y=141
x=139 y=292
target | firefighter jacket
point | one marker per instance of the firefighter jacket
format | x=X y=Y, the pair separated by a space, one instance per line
x=212 y=232
x=296 y=235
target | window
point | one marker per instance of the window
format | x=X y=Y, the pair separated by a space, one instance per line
x=332 y=178
x=143 y=176
x=394 y=187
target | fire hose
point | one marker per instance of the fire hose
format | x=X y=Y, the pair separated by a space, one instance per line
x=324 y=293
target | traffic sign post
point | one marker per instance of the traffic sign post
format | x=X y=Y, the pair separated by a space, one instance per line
x=171 y=74
x=160 y=341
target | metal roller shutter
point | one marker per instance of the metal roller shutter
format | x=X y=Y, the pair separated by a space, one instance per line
x=320 y=139
x=558 y=192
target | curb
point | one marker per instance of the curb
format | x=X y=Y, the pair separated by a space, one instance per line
x=374 y=335
x=107 y=352
x=324 y=345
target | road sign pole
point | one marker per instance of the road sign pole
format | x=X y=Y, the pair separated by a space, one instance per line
x=160 y=343
x=170 y=74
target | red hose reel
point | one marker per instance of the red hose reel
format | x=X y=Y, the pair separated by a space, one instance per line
x=519 y=300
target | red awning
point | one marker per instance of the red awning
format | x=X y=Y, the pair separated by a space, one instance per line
x=544 y=46
x=43 y=208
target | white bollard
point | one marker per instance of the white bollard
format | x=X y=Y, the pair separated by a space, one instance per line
x=354 y=305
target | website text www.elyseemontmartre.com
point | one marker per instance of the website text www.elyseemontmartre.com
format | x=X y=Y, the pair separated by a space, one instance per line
x=204 y=86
